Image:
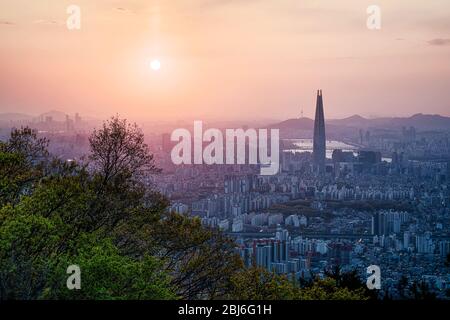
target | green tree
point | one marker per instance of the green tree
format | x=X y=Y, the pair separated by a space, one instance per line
x=200 y=260
x=22 y=159
x=118 y=149
x=349 y=280
x=28 y=246
x=108 y=199
x=47 y=223
x=328 y=289
x=259 y=284
x=35 y=252
x=402 y=287
x=25 y=141
x=109 y=275
x=421 y=291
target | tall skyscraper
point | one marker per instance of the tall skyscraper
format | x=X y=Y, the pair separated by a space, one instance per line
x=319 y=135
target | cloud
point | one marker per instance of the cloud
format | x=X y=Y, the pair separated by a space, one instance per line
x=216 y=3
x=6 y=23
x=439 y=42
x=124 y=10
x=48 y=22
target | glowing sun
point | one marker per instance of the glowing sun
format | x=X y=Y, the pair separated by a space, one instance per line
x=155 y=65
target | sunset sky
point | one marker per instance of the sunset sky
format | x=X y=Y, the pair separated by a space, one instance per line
x=225 y=59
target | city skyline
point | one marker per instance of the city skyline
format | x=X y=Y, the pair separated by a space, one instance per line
x=33 y=117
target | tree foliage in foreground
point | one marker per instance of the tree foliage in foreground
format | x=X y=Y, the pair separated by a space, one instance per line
x=103 y=216
x=259 y=284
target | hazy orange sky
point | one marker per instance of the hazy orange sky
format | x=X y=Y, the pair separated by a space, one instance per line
x=227 y=59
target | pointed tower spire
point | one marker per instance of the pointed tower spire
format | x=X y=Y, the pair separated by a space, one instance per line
x=319 y=143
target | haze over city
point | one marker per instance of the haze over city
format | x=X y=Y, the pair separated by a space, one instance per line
x=229 y=152
x=227 y=60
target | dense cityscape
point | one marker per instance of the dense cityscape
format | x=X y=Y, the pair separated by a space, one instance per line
x=369 y=193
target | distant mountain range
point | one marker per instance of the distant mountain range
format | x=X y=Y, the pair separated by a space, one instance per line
x=56 y=116
x=6 y=117
x=420 y=121
x=301 y=123
x=301 y=127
